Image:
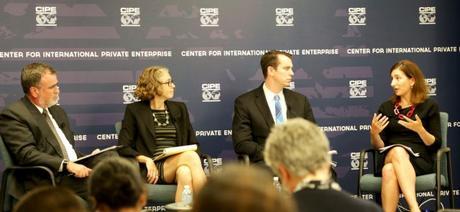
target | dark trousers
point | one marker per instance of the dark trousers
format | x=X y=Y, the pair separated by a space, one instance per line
x=80 y=185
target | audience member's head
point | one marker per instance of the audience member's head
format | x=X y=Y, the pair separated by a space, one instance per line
x=239 y=188
x=115 y=184
x=50 y=199
x=297 y=149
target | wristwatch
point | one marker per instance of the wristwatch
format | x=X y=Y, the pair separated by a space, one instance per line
x=65 y=162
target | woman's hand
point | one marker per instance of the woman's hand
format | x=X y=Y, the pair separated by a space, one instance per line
x=379 y=122
x=410 y=124
x=152 y=172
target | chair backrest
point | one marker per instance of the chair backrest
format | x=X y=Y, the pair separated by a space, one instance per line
x=118 y=127
x=6 y=157
x=444 y=125
x=7 y=201
x=444 y=118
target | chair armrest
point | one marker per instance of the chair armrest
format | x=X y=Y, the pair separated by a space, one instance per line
x=439 y=172
x=362 y=153
x=439 y=154
x=244 y=158
x=361 y=160
x=10 y=169
x=48 y=171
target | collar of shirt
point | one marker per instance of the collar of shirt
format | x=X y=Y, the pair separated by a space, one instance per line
x=317 y=184
x=41 y=109
x=69 y=148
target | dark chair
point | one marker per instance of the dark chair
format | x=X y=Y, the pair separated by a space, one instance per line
x=442 y=178
x=159 y=194
x=6 y=199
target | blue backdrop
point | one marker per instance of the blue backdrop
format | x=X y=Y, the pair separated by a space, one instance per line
x=342 y=54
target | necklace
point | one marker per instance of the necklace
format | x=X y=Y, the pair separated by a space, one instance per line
x=158 y=122
x=401 y=116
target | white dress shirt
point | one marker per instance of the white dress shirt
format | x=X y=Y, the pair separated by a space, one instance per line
x=68 y=147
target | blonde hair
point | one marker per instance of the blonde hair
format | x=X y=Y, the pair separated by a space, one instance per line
x=148 y=82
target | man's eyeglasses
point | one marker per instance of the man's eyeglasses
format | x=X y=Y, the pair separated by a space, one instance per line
x=52 y=87
x=169 y=83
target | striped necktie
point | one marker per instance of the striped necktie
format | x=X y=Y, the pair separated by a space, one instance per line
x=278 y=112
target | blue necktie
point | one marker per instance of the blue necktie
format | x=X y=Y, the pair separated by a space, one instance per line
x=278 y=112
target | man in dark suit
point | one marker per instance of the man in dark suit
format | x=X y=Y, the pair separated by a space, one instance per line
x=37 y=132
x=298 y=152
x=271 y=103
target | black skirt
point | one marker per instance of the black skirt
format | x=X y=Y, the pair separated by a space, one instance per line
x=421 y=166
x=160 y=167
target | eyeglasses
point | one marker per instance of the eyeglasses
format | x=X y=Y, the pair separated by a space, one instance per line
x=52 y=87
x=169 y=83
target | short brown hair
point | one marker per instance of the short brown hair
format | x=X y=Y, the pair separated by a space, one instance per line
x=50 y=199
x=117 y=183
x=148 y=82
x=270 y=58
x=411 y=70
x=32 y=73
x=254 y=192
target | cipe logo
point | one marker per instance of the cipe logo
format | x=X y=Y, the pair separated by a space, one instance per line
x=357 y=16
x=45 y=16
x=427 y=15
x=209 y=17
x=358 y=88
x=128 y=94
x=130 y=16
x=210 y=92
x=284 y=16
x=431 y=84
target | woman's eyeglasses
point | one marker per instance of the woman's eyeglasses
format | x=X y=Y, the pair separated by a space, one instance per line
x=169 y=83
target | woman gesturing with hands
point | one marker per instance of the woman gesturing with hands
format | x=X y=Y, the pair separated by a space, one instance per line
x=408 y=126
x=379 y=122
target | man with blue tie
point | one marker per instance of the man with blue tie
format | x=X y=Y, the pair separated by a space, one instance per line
x=271 y=103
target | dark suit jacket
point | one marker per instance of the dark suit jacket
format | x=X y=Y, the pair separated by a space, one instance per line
x=331 y=200
x=252 y=120
x=138 y=133
x=29 y=139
